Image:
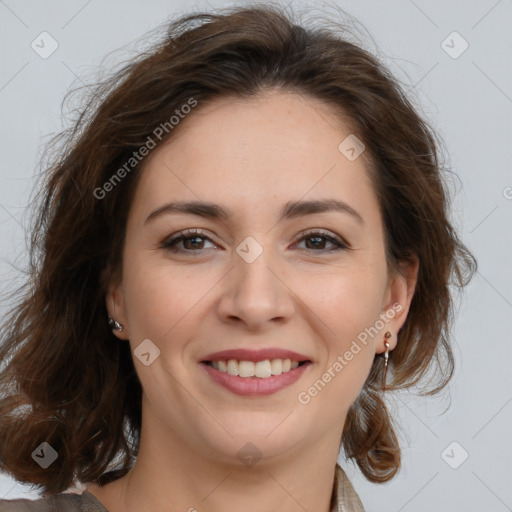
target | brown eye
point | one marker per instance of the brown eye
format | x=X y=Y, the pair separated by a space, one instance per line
x=193 y=241
x=320 y=239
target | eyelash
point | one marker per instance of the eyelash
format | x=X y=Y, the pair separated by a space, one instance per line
x=170 y=243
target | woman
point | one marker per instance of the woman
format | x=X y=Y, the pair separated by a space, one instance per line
x=246 y=229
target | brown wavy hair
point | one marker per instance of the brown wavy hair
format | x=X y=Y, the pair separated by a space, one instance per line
x=65 y=380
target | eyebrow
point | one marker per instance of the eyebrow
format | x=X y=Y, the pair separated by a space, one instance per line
x=291 y=209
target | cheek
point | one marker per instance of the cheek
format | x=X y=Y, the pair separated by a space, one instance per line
x=348 y=304
x=347 y=300
x=159 y=297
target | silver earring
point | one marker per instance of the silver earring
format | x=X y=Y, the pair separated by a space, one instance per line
x=114 y=324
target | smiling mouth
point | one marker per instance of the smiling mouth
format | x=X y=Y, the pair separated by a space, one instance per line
x=259 y=369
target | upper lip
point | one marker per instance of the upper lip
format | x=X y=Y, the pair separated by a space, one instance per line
x=245 y=354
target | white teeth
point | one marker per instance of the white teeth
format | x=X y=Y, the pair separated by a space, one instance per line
x=246 y=369
x=232 y=367
x=261 y=369
x=276 y=366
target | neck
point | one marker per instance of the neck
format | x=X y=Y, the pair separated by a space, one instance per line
x=170 y=474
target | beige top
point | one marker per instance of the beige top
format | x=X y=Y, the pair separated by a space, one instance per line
x=344 y=499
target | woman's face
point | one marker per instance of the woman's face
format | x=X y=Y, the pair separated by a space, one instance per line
x=260 y=278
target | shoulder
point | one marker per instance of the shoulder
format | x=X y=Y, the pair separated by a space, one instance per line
x=345 y=497
x=56 y=503
x=64 y=502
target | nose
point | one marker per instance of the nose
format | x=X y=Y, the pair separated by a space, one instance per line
x=256 y=294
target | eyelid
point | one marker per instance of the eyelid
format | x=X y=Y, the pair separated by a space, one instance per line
x=185 y=233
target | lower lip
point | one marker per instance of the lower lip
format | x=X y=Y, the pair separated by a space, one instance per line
x=255 y=386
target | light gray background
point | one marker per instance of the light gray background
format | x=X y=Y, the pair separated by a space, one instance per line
x=467 y=99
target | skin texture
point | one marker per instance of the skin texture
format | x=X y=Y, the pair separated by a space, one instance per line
x=252 y=157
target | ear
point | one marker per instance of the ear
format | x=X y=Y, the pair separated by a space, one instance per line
x=116 y=307
x=397 y=301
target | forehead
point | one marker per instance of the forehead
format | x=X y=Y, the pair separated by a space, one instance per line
x=252 y=153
